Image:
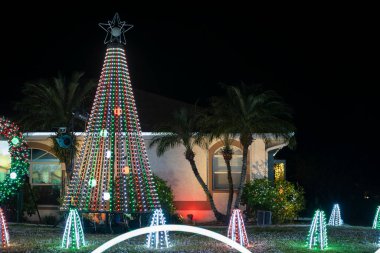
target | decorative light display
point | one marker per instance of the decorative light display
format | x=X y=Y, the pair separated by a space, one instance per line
x=13 y=175
x=19 y=153
x=376 y=220
x=236 y=228
x=15 y=141
x=92 y=183
x=335 y=217
x=3 y=230
x=279 y=171
x=126 y=170
x=113 y=141
x=73 y=237
x=117 y=111
x=317 y=237
x=159 y=239
x=106 y=196
x=180 y=228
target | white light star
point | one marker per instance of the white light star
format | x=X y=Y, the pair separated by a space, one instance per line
x=115 y=30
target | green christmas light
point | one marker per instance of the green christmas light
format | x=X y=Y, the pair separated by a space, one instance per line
x=317 y=237
x=15 y=141
x=93 y=183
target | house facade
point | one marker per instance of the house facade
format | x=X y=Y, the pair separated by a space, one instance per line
x=48 y=175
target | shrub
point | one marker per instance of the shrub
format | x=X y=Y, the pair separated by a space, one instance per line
x=165 y=195
x=289 y=201
x=282 y=198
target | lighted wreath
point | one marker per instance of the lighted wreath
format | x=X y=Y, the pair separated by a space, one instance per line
x=18 y=151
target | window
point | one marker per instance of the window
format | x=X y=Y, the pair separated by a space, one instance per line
x=219 y=169
x=45 y=176
x=279 y=170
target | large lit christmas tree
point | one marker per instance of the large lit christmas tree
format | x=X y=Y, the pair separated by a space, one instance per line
x=112 y=172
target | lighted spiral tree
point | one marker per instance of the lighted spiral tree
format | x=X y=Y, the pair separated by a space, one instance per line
x=376 y=220
x=16 y=166
x=335 y=217
x=112 y=173
x=317 y=237
x=236 y=229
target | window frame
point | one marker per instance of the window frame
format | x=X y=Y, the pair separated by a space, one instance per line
x=211 y=153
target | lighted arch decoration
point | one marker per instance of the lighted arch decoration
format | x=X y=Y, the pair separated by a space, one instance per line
x=179 y=228
x=18 y=150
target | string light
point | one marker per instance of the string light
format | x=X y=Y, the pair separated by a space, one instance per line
x=335 y=217
x=376 y=220
x=159 y=239
x=317 y=237
x=3 y=230
x=236 y=228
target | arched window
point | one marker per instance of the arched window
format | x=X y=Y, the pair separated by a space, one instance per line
x=219 y=169
x=45 y=176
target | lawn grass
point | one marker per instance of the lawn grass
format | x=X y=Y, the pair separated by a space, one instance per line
x=271 y=239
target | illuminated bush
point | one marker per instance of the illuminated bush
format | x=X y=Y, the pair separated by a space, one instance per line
x=282 y=198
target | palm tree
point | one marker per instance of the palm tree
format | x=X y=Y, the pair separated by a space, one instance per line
x=183 y=131
x=245 y=112
x=49 y=104
x=227 y=153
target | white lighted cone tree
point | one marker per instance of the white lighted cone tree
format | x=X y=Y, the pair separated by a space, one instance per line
x=317 y=237
x=73 y=237
x=376 y=220
x=3 y=230
x=236 y=229
x=335 y=217
x=159 y=239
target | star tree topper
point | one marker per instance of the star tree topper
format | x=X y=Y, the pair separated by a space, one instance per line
x=115 y=30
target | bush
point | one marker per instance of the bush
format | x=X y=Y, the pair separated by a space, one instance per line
x=165 y=195
x=289 y=201
x=282 y=198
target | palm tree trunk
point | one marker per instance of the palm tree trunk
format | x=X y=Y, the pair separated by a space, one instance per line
x=219 y=216
x=230 y=188
x=242 y=177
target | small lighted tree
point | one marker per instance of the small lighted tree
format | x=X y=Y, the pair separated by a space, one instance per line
x=376 y=220
x=160 y=239
x=236 y=228
x=3 y=230
x=317 y=237
x=335 y=217
x=73 y=237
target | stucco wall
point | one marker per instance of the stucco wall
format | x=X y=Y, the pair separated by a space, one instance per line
x=189 y=197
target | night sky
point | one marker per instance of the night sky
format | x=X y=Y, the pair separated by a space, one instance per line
x=322 y=59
